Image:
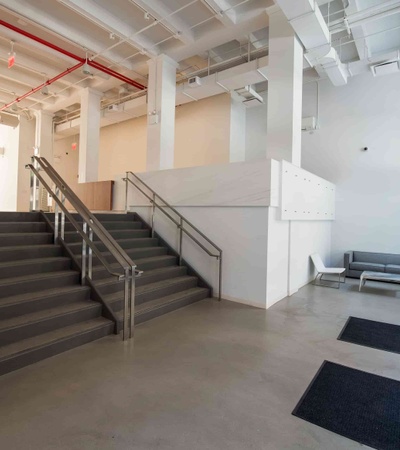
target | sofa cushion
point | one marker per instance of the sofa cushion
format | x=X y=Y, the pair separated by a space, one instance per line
x=370 y=257
x=392 y=268
x=393 y=260
x=373 y=267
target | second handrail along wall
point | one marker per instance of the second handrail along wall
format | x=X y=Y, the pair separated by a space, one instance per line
x=181 y=223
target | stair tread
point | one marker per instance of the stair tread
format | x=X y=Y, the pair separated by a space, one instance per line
x=21 y=262
x=21 y=247
x=78 y=244
x=44 y=339
x=47 y=313
x=145 y=274
x=152 y=286
x=36 y=276
x=158 y=302
x=25 y=233
x=129 y=250
x=162 y=301
x=139 y=261
x=14 y=299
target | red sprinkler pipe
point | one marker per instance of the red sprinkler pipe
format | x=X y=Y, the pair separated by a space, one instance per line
x=46 y=83
x=97 y=65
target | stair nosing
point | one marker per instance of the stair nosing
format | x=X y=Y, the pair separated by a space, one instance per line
x=102 y=322
x=38 y=295
x=147 y=307
x=35 y=276
x=81 y=305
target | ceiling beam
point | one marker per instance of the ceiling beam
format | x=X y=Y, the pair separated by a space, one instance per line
x=102 y=18
x=43 y=18
x=223 y=10
x=173 y=23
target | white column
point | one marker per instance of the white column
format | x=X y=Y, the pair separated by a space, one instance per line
x=161 y=113
x=89 y=138
x=237 y=149
x=44 y=134
x=285 y=90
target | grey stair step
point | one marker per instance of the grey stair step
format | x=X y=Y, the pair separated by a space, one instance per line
x=31 y=266
x=29 y=325
x=20 y=217
x=9 y=239
x=14 y=253
x=137 y=253
x=37 y=282
x=113 y=217
x=110 y=284
x=28 y=351
x=22 y=227
x=153 y=262
x=34 y=301
x=152 y=291
x=74 y=236
x=154 y=308
x=76 y=247
x=117 y=225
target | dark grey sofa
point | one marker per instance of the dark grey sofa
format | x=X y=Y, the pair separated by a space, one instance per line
x=356 y=262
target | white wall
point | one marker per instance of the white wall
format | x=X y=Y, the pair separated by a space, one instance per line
x=256 y=131
x=9 y=139
x=365 y=113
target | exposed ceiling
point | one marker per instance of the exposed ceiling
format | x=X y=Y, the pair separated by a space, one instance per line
x=203 y=36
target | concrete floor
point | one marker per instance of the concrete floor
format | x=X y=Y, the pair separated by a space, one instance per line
x=211 y=376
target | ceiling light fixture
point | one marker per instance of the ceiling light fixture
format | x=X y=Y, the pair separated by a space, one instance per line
x=147 y=15
x=11 y=55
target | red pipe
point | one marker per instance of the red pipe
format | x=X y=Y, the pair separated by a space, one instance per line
x=46 y=83
x=98 y=66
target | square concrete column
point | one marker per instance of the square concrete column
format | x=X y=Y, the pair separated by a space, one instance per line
x=161 y=96
x=89 y=138
x=237 y=149
x=285 y=90
x=44 y=134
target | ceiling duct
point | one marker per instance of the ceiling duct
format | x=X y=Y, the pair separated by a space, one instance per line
x=250 y=97
x=309 y=25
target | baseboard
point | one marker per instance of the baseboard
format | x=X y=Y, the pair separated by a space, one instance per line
x=243 y=302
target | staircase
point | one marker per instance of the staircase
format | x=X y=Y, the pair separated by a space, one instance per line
x=44 y=310
x=163 y=287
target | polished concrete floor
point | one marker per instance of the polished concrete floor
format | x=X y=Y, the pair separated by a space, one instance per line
x=212 y=376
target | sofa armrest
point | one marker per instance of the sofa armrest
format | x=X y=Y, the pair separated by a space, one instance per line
x=348 y=258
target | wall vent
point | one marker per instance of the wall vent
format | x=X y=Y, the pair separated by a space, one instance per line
x=385 y=68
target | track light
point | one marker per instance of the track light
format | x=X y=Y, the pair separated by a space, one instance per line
x=86 y=69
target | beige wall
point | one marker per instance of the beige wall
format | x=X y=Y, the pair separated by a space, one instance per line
x=202 y=132
x=66 y=160
x=202 y=137
x=123 y=148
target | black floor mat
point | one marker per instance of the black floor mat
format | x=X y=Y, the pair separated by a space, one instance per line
x=380 y=335
x=355 y=404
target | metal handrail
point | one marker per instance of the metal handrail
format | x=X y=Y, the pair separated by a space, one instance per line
x=90 y=226
x=180 y=224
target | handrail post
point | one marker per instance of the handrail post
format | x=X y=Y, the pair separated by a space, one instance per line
x=83 y=275
x=90 y=254
x=126 y=191
x=153 y=212
x=180 y=240
x=56 y=218
x=220 y=276
x=132 y=302
x=125 y=334
x=63 y=218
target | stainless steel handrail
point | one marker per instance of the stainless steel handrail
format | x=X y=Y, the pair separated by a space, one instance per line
x=90 y=226
x=180 y=224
